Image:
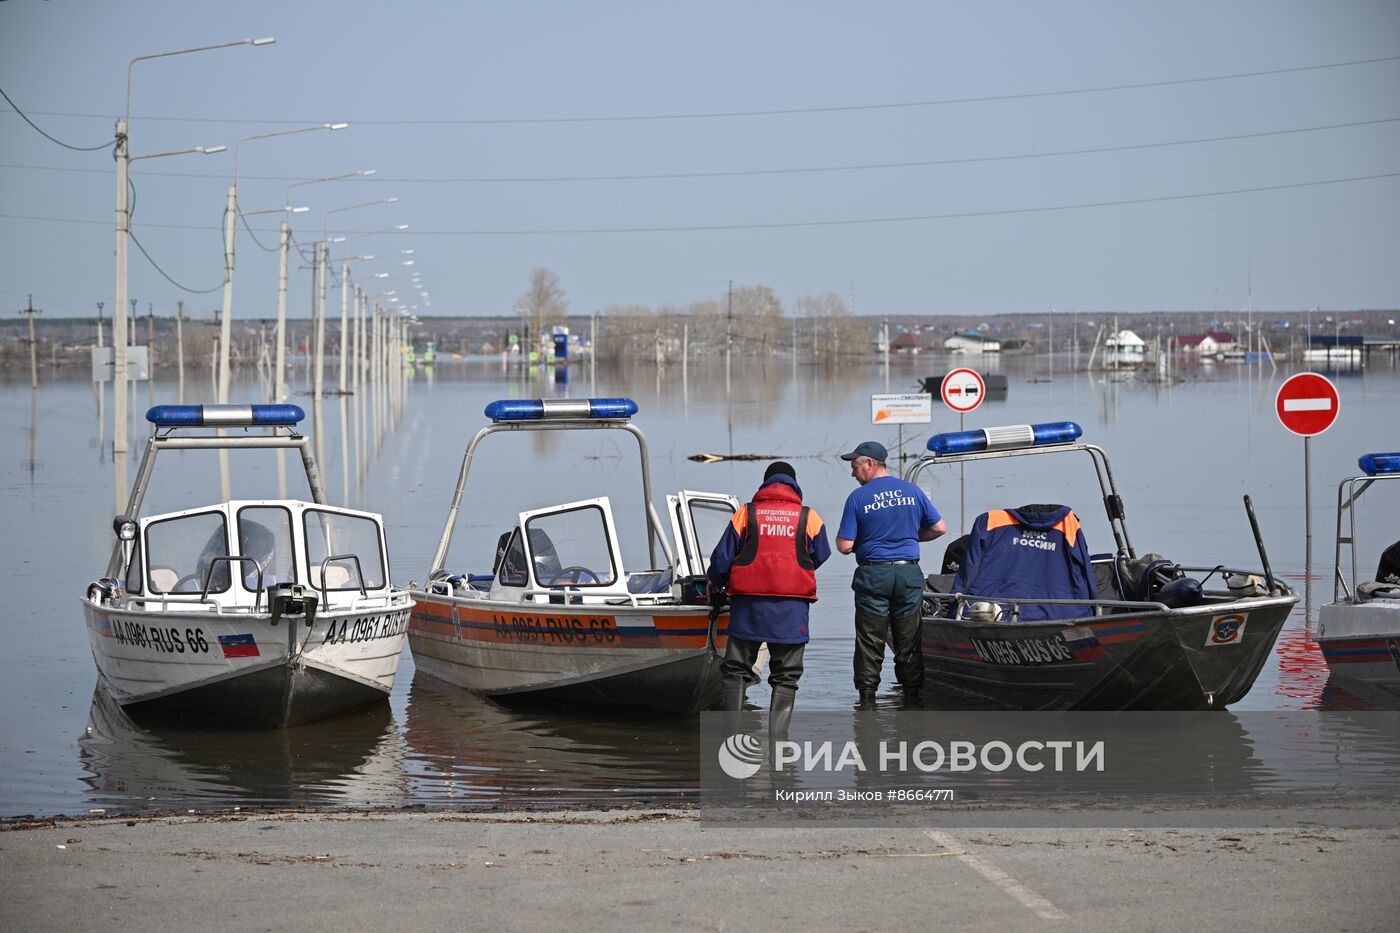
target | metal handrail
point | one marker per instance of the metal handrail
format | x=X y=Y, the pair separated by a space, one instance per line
x=209 y=576
x=655 y=534
x=325 y=599
x=1349 y=491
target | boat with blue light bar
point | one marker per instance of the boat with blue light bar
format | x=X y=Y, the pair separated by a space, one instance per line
x=1032 y=620
x=558 y=614
x=1359 y=631
x=264 y=612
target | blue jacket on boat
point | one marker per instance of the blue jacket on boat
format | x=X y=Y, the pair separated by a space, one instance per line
x=1036 y=550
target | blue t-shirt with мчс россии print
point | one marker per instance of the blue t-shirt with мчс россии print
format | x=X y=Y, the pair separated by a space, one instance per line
x=884 y=518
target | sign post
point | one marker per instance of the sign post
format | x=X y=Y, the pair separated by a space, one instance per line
x=911 y=408
x=1307 y=404
x=962 y=391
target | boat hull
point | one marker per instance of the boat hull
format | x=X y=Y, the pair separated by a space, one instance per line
x=240 y=668
x=657 y=657
x=1361 y=641
x=1206 y=657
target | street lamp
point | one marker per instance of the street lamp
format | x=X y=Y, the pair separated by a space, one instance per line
x=344 y=298
x=123 y=159
x=230 y=228
x=316 y=181
x=279 y=382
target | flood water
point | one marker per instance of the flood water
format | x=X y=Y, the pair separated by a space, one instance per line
x=1183 y=456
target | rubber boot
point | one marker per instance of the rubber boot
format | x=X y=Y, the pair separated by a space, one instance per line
x=731 y=701
x=866 y=701
x=780 y=713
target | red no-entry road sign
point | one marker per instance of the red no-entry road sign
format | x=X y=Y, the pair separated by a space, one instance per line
x=1307 y=404
x=963 y=390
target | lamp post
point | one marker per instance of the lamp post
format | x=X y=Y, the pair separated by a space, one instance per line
x=344 y=297
x=279 y=388
x=230 y=227
x=124 y=159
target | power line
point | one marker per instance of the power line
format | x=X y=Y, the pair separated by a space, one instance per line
x=957 y=215
x=156 y=266
x=51 y=139
x=922 y=163
x=789 y=111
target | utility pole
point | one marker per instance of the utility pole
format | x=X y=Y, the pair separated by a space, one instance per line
x=33 y=345
x=729 y=335
x=180 y=346
x=119 y=344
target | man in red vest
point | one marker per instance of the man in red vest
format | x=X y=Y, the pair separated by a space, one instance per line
x=768 y=557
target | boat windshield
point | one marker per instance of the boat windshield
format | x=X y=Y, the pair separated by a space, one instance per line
x=709 y=519
x=330 y=534
x=571 y=548
x=180 y=552
x=265 y=535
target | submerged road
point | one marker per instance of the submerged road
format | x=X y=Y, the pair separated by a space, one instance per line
x=1304 y=869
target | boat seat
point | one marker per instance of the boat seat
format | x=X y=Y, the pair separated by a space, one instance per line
x=1106 y=577
x=337 y=577
x=163 y=579
x=1375 y=589
x=646 y=582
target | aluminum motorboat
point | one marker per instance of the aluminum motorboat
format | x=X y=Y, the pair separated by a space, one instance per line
x=1151 y=636
x=263 y=612
x=558 y=614
x=1359 y=631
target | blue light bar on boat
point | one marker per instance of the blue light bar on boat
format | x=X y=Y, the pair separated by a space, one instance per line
x=1378 y=464
x=224 y=416
x=561 y=409
x=1008 y=437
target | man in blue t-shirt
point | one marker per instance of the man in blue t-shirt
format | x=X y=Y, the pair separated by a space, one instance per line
x=883 y=523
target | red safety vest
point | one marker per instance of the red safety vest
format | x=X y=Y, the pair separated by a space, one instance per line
x=775 y=558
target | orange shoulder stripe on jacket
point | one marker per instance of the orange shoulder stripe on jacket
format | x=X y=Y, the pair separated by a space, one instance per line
x=740 y=521
x=1069 y=526
x=814 y=523
x=1000 y=518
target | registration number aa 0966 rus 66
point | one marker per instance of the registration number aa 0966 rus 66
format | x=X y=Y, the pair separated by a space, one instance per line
x=1025 y=651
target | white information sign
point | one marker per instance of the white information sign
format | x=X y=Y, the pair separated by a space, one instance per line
x=911 y=408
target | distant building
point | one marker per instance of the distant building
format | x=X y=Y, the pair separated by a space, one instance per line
x=1124 y=348
x=908 y=344
x=1207 y=344
x=970 y=341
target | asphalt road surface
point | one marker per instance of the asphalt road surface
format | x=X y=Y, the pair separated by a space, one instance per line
x=1331 y=870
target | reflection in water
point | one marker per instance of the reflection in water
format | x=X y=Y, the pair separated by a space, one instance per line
x=349 y=761
x=1346 y=693
x=1301 y=666
x=464 y=749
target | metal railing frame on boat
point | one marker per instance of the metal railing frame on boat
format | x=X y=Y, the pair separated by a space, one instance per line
x=653 y=520
x=171 y=441
x=1112 y=501
x=1347 y=495
x=960 y=600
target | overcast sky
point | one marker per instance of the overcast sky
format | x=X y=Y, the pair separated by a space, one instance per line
x=911 y=157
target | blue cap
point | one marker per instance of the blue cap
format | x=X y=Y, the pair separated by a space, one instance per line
x=872 y=449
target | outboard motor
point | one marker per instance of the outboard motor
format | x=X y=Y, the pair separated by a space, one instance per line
x=1181 y=593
